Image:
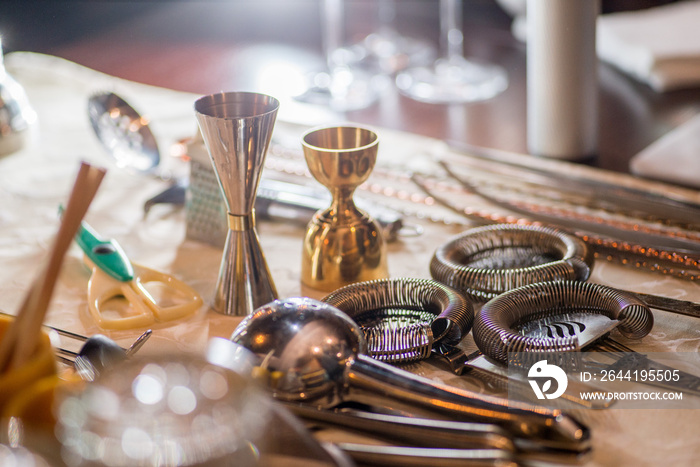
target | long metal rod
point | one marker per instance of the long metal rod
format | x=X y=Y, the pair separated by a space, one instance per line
x=632 y=198
x=416 y=431
x=682 y=266
x=653 y=240
x=658 y=302
x=674 y=305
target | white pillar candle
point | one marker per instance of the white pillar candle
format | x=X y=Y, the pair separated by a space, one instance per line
x=562 y=78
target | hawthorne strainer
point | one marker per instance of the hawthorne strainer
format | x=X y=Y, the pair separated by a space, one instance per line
x=561 y=316
x=486 y=261
x=403 y=318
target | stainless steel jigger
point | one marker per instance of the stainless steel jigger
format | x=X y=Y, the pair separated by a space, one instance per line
x=236 y=128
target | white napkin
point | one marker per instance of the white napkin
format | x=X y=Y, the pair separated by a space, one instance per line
x=659 y=46
x=675 y=157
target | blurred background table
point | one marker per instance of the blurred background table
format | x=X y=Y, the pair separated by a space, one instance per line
x=210 y=46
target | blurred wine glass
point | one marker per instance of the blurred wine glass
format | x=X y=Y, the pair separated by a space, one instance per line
x=385 y=49
x=452 y=78
x=340 y=86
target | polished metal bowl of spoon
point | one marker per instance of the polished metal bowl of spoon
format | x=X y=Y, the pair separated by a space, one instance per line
x=123 y=132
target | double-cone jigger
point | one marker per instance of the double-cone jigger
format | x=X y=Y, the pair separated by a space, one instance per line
x=342 y=244
x=236 y=128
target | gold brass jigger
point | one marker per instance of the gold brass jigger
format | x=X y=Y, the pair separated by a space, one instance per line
x=236 y=128
x=343 y=244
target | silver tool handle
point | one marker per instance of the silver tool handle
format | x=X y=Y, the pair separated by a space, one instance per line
x=374 y=381
x=673 y=305
x=367 y=454
x=414 y=431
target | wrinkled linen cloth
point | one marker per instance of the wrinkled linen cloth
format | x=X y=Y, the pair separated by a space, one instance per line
x=675 y=157
x=35 y=180
x=658 y=46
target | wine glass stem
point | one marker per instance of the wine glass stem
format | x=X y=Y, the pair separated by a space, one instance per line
x=332 y=30
x=451 y=36
x=386 y=12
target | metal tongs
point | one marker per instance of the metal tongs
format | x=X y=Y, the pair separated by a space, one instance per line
x=412 y=440
x=421 y=436
x=309 y=352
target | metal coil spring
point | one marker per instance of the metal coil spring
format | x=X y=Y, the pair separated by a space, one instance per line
x=395 y=335
x=385 y=304
x=494 y=332
x=487 y=261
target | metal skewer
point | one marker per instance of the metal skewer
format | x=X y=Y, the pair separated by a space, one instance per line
x=629 y=198
x=672 y=305
x=585 y=226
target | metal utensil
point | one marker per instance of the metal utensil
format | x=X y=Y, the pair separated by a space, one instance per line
x=484 y=262
x=442 y=442
x=403 y=318
x=596 y=226
x=100 y=352
x=96 y=352
x=524 y=319
x=406 y=456
x=343 y=244
x=16 y=113
x=311 y=352
x=664 y=206
x=555 y=317
x=236 y=128
x=123 y=132
x=414 y=431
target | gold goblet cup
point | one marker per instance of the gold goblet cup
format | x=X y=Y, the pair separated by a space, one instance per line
x=342 y=244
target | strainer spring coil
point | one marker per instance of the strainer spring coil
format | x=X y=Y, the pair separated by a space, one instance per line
x=393 y=314
x=494 y=332
x=486 y=261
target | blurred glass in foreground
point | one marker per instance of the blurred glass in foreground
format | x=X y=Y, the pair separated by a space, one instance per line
x=178 y=410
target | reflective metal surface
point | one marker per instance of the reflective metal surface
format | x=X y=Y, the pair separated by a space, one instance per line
x=486 y=261
x=124 y=133
x=403 y=318
x=518 y=320
x=342 y=244
x=16 y=114
x=306 y=345
x=236 y=128
x=311 y=352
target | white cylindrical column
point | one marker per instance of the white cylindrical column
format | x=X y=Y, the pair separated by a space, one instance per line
x=562 y=78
